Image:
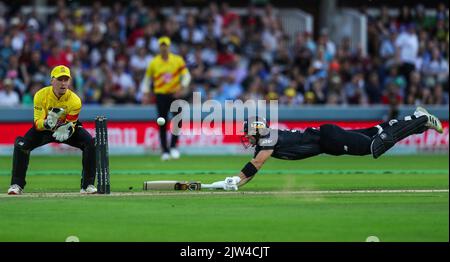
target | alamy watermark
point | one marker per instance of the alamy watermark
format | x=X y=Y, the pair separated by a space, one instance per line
x=216 y=112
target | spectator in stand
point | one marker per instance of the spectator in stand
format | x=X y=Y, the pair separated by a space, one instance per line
x=392 y=98
x=9 y=97
x=387 y=48
x=373 y=89
x=440 y=97
x=57 y=57
x=213 y=38
x=328 y=45
x=415 y=87
x=124 y=86
x=191 y=33
x=437 y=67
x=254 y=91
x=229 y=90
x=140 y=60
x=407 y=43
x=354 y=91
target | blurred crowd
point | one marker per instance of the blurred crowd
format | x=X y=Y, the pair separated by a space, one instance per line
x=230 y=55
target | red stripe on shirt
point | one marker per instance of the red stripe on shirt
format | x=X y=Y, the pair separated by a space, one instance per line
x=72 y=117
x=157 y=77
x=179 y=70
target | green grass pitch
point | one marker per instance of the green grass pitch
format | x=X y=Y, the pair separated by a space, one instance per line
x=272 y=207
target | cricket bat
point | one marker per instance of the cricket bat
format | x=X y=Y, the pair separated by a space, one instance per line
x=172 y=185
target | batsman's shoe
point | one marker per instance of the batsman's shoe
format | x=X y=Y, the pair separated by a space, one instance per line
x=433 y=122
x=174 y=153
x=165 y=157
x=91 y=189
x=15 y=190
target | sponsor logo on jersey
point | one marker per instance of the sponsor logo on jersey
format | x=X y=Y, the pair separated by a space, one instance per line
x=266 y=141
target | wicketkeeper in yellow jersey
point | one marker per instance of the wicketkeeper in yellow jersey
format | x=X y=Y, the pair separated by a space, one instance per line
x=56 y=110
x=170 y=78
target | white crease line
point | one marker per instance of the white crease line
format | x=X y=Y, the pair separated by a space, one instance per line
x=195 y=193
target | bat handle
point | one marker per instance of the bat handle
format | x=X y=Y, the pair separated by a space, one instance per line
x=210 y=186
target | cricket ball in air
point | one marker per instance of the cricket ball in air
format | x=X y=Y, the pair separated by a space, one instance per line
x=161 y=121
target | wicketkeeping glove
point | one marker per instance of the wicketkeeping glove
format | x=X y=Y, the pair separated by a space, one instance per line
x=63 y=132
x=52 y=118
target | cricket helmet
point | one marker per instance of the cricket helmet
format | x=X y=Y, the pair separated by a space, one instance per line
x=254 y=128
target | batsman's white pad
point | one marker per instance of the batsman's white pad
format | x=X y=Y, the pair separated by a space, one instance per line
x=172 y=185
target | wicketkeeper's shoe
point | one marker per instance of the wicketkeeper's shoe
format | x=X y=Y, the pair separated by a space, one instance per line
x=91 y=189
x=433 y=122
x=15 y=190
x=174 y=153
x=165 y=157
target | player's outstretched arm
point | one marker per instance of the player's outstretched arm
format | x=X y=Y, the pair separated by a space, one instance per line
x=250 y=169
x=247 y=173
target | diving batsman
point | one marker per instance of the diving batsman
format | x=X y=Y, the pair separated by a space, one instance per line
x=56 y=110
x=328 y=139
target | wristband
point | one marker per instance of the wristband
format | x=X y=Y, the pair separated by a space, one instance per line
x=249 y=170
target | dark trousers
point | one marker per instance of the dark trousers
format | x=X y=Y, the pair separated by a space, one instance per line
x=33 y=138
x=163 y=103
x=336 y=141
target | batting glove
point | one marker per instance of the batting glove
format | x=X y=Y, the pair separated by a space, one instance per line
x=231 y=183
x=52 y=118
x=63 y=132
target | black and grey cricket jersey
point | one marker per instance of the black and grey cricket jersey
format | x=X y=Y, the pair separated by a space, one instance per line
x=291 y=144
